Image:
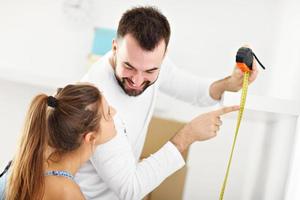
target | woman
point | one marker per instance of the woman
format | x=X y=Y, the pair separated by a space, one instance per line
x=59 y=135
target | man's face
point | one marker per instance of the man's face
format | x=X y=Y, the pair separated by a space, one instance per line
x=136 y=68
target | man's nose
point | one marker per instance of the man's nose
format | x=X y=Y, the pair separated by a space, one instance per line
x=138 y=79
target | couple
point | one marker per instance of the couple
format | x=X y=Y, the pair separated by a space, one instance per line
x=75 y=132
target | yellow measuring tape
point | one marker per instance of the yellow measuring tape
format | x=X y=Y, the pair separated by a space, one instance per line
x=240 y=116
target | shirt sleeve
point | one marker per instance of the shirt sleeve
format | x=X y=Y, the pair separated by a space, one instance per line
x=131 y=180
x=185 y=86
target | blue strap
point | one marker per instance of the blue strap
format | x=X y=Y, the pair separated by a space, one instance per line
x=60 y=173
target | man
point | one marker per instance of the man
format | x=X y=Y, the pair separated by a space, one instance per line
x=130 y=76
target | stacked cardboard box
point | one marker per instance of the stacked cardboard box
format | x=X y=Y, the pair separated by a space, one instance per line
x=160 y=131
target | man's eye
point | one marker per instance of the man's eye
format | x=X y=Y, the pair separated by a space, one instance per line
x=150 y=72
x=128 y=68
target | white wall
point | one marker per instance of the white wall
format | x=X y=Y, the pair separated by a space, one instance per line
x=38 y=42
x=42 y=46
x=38 y=39
x=285 y=81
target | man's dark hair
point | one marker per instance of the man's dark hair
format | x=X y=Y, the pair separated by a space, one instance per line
x=147 y=25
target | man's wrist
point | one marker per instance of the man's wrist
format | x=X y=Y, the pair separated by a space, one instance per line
x=217 y=88
x=181 y=140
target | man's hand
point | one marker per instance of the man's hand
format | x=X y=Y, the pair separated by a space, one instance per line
x=232 y=83
x=203 y=127
x=235 y=82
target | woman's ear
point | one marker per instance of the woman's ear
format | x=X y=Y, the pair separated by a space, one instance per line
x=90 y=137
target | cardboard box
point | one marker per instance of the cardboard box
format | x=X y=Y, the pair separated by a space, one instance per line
x=160 y=131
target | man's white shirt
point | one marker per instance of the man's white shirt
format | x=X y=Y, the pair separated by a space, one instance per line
x=115 y=171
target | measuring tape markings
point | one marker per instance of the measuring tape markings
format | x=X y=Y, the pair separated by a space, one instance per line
x=240 y=116
x=244 y=60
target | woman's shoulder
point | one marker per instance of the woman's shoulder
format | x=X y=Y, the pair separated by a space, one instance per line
x=61 y=188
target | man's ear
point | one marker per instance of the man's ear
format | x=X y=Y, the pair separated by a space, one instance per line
x=114 y=46
x=89 y=137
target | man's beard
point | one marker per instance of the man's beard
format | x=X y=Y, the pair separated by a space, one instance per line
x=132 y=92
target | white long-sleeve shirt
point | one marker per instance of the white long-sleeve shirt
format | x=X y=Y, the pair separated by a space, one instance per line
x=114 y=171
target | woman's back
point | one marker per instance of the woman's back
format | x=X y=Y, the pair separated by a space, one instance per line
x=60 y=187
